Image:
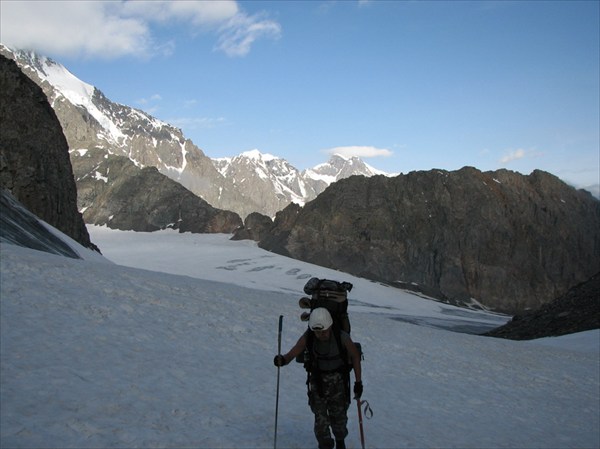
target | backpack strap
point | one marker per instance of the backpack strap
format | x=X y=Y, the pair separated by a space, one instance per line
x=345 y=371
x=312 y=366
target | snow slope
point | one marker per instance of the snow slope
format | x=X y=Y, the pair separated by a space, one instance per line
x=96 y=354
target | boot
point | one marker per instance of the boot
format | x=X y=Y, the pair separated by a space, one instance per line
x=326 y=443
x=339 y=444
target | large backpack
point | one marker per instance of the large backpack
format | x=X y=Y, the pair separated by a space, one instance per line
x=333 y=296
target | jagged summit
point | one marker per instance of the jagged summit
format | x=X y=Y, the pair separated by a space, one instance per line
x=278 y=183
x=340 y=167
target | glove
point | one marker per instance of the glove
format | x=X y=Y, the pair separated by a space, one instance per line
x=279 y=360
x=358 y=389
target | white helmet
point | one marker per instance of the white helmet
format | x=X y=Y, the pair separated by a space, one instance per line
x=320 y=319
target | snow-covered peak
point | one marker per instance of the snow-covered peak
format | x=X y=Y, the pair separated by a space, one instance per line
x=257 y=155
x=68 y=86
x=339 y=167
x=71 y=87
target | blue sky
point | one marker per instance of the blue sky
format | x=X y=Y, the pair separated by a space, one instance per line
x=405 y=85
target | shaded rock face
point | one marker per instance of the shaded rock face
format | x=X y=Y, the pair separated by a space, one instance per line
x=510 y=241
x=577 y=311
x=129 y=198
x=256 y=227
x=34 y=155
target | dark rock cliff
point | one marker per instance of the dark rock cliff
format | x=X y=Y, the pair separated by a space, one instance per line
x=256 y=227
x=577 y=311
x=510 y=241
x=34 y=155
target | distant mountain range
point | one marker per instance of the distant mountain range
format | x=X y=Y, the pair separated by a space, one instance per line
x=499 y=239
x=98 y=130
x=274 y=183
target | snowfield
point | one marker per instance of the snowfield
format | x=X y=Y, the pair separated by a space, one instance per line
x=172 y=346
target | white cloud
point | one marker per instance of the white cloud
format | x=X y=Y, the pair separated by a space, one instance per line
x=360 y=151
x=513 y=155
x=198 y=13
x=72 y=28
x=240 y=32
x=109 y=29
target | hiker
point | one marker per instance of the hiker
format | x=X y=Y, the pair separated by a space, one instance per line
x=329 y=377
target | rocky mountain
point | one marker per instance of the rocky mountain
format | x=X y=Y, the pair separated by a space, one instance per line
x=578 y=310
x=250 y=182
x=91 y=121
x=500 y=239
x=273 y=183
x=110 y=188
x=339 y=167
x=34 y=155
x=142 y=199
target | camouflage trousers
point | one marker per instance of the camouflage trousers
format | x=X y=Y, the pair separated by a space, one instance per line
x=329 y=402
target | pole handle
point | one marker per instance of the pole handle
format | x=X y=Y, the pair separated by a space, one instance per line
x=279 y=334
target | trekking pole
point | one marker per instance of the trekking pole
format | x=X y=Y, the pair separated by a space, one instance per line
x=360 y=424
x=278 y=369
x=368 y=415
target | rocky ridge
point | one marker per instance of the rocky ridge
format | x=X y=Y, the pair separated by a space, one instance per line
x=129 y=198
x=276 y=183
x=507 y=241
x=578 y=310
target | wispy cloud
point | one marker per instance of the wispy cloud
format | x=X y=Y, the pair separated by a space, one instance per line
x=151 y=99
x=513 y=155
x=103 y=29
x=150 y=104
x=189 y=123
x=190 y=103
x=360 y=151
x=240 y=32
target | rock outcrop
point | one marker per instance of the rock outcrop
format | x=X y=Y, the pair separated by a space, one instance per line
x=577 y=311
x=256 y=227
x=34 y=155
x=509 y=241
x=129 y=198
